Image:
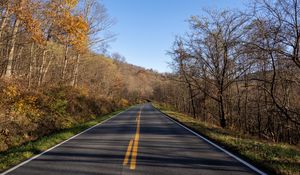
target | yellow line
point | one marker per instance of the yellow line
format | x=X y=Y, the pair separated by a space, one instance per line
x=128 y=152
x=136 y=143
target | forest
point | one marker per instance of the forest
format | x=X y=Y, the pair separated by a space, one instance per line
x=238 y=70
x=52 y=76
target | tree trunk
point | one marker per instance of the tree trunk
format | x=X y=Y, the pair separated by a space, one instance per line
x=239 y=114
x=17 y=58
x=4 y=19
x=41 y=76
x=245 y=107
x=222 y=89
x=222 y=111
x=65 y=63
x=31 y=67
x=192 y=100
x=9 y=67
x=75 y=76
x=46 y=70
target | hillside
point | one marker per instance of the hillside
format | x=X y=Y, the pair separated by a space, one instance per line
x=104 y=85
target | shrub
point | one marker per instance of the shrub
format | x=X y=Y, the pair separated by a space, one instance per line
x=26 y=115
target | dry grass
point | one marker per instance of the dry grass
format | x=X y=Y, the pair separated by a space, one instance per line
x=274 y=158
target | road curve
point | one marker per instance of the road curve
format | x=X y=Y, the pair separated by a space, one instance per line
x=140 y=140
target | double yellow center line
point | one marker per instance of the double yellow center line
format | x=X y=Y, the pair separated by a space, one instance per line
x=132 y=148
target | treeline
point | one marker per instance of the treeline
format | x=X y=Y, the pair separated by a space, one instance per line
x=241 y=70
x=53 y=43
x=104 y=85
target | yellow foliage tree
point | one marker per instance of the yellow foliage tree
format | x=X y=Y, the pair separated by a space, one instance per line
x=70 y=30
x=23 y=11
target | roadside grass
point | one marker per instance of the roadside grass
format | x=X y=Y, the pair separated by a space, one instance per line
x=273 y=158
x=18 y=154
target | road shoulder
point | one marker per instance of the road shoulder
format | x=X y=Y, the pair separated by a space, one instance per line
x=257 y=152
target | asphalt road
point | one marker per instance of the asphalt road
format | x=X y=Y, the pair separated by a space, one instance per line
x=140 y=140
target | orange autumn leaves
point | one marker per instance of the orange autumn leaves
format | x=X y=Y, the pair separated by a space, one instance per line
x=66 y=26
x=74 y=31
x=69 y=28
x=23 y=10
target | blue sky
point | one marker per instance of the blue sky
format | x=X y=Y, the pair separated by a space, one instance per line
x=146 y=28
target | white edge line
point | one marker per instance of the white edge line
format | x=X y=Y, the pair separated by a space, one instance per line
x=36 y=156
x=217 y=146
